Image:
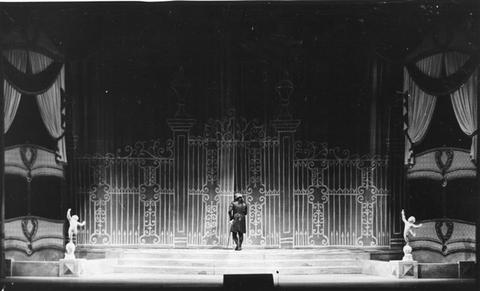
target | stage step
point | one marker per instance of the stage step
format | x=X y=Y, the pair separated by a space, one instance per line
x=219 y=262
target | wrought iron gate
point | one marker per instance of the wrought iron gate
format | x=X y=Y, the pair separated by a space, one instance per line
x=299 y=195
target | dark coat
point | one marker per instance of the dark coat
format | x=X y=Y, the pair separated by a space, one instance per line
x=237 y=211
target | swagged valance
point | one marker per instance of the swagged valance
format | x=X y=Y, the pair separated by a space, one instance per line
x=444 y=64
x=33 y=66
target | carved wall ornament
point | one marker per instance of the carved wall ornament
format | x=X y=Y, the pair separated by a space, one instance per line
x=29 y=229
x=443 y=235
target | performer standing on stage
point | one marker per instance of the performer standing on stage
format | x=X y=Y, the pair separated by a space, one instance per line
x=237 y=212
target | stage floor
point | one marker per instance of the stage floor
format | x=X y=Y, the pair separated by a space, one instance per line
x=145 y=281
x=215 y=282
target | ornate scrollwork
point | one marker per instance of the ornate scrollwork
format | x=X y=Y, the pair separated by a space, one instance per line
x=100 y=234
x=100 y=175
x=228 y=129
x=367 y=216
x=319 y=151
x=310 y=151
x=211 y=221
x=151 y=149
x=150 y=221
x=318 y=220
x=149 y=176
x=255 y=220
x=317 y=177
x=255 y=167
x=212 y=165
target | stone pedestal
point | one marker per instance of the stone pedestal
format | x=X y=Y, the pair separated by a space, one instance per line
x=404 y=269
x=8 y=267
x=71 y=267
x=466 y=269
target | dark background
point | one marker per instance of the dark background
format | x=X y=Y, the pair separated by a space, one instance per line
x=233 y=53
x=345 y=59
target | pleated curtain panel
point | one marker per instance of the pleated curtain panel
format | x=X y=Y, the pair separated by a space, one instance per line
x=30 y=72
x=464 y=100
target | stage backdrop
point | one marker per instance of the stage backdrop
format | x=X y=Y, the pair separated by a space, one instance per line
x=176 y=193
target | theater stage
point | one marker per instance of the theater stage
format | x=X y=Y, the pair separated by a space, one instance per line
x=225 y=269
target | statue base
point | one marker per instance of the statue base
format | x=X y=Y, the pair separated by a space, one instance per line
x=404 y=269
x=71 y=267
x=407 y=251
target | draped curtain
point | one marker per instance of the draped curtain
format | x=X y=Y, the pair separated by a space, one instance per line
x=46 y=82
x=464 y=100
x=50 y=103
x=422 y=90
x=18 y=58
x=419 y=105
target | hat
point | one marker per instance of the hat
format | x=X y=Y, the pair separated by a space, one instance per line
x=236 y=195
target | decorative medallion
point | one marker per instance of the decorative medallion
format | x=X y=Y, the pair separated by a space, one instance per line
x=441 y=156
x=29 y=229
x=29 y=156
x=444 y=237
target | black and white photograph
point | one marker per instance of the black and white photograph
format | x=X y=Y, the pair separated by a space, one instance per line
x=239 y=145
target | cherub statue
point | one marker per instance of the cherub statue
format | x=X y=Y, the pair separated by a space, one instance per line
x=74 y=224
x=409 y=226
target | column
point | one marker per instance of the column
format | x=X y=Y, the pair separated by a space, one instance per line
x=396 y=172
x=70 y=177
x=181 y=126
x=2 y=175
x=477 y=231
x=286 y=128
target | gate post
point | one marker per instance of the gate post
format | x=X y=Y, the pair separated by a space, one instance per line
x=180 y=125
x=286 y=128
x=397 y=175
